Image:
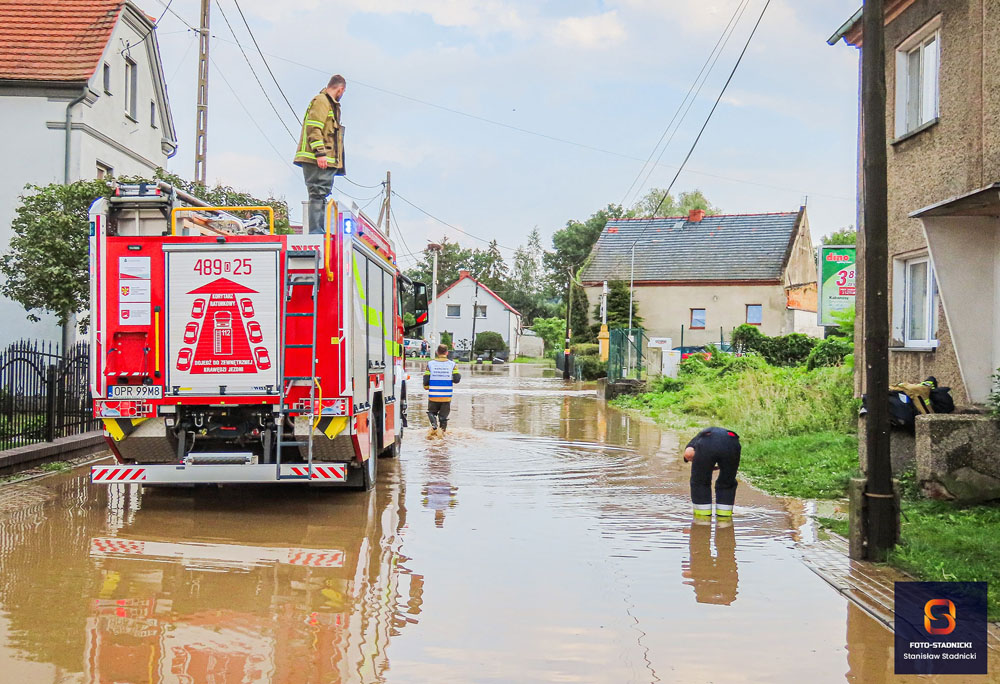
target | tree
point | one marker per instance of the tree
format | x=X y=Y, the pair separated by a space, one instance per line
x=489 y=268
x=445 y=339
x=489 y=341
x=47 y=266
x=844 y=236
x=527 y=290
x=225 y=196
x=650 y=205
x=574 y=243
x=618 y=299
x=551 y=330
x=451 y=259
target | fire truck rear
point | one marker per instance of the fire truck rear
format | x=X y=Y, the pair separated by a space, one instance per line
x=222 y=352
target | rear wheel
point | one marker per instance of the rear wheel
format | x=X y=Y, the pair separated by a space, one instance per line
x=363 y=478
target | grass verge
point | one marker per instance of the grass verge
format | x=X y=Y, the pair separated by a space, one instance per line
x=544 y=361
x=797 y=426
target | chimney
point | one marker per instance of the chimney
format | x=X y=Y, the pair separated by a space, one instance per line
x=696 y=215
x=464 y=274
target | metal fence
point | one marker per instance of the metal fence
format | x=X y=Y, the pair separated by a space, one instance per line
x=626 y=353
x=44 y=394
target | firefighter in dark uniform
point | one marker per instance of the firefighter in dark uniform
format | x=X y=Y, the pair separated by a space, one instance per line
x=713 y=448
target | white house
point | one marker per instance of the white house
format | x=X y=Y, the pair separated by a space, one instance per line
x=456 y=303
x=82 y=95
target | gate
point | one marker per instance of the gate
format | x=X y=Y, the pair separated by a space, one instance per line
x=44 y=395
x=626 y=354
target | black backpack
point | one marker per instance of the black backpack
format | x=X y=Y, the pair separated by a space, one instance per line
x=941 y=399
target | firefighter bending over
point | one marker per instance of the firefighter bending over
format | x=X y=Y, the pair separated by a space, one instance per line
x=719 y=449
x=440 y=379
x=321 y=149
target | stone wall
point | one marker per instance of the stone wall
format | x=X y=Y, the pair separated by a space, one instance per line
x=958 y=457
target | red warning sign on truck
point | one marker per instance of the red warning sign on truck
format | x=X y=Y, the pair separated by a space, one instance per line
x=222 y=319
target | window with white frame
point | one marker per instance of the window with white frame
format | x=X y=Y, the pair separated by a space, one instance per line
x=454 y=311
x=480 y=311
x=917 y=64
x=919 y=302
x=131 y=86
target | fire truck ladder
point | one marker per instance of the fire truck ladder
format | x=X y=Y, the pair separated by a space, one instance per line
x=299 y=278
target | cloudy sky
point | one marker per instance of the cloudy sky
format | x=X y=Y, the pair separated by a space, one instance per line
x=497 y=116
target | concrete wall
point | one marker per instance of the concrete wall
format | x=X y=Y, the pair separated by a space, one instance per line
x=665 y=308
x=498 y=317
x=33 y=144
x=958 y=154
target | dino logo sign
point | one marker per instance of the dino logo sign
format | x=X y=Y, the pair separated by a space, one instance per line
x=222 y=321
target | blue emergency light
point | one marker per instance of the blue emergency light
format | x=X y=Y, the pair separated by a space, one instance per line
x=348 y=225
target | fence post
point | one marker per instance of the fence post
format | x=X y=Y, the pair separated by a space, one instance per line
x=50 y=403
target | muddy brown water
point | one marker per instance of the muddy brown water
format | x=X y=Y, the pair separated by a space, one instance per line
x=547 y=539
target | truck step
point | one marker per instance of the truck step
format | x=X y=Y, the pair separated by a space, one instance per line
x=302 y=444
x=301 y=280
x=299 y=315
x=302 y=253
x=299 y=346
x=298 y=377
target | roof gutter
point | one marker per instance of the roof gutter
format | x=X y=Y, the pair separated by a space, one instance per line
x=848 y=25
x=69 y=130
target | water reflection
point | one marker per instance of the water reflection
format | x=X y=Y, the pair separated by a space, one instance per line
x=715 y=577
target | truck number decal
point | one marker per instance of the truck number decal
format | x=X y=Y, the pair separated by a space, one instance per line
x=208 y=267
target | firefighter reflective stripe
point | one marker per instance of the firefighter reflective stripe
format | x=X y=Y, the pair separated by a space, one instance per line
x=120 y=428
x=316 y=144
x=441 y=384
x=331 y=426
x=703 y=509
x=724 y=511
x=317 y=124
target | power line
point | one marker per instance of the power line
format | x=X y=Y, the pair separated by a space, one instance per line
x=166 y=8
x=152 y=28
x=445 y=223
x=399 y=232
x=707 y=118
x=254 y=72
x=295 y=114
x=725 y=31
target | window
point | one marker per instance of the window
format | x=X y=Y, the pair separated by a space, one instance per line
x=107 y=78
x=755 y=314
x=481 y=311
x=454 y=311
x=917 y=62
x=104 y=171
x=131 y=86
x=697 y=319
x=919 y=303
x=152 y=114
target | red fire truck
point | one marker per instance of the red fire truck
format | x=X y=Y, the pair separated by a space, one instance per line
x=222 y=352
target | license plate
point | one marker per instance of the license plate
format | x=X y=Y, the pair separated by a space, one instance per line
x=135 y=392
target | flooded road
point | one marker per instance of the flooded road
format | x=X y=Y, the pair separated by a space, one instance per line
x=547 y=539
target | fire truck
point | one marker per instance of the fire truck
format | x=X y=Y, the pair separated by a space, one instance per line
x=222 y=352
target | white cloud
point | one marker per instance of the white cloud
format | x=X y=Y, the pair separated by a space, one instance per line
x=597 y=31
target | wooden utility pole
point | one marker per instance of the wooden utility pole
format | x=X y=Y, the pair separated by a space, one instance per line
x=385 y=210
x=201 y=117
x=880 y=502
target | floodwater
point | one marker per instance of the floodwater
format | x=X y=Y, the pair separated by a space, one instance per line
x=547 y=539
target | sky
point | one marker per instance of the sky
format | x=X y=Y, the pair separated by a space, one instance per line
x=499 y=116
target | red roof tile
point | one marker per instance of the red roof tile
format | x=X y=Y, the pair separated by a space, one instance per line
x=54 y=40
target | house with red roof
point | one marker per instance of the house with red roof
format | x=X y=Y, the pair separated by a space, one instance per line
x=82 y=95
x=456 y=305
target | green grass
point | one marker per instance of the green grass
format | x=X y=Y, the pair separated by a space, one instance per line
x=530 y=359
x=797 y=427
x=945 y=542
x=838 y=525
x=811 y=466
x=55 y=467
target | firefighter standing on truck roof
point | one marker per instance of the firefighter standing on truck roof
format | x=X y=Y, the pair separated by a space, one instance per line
x=713 y=448
x=440 y=379
x=321 y=149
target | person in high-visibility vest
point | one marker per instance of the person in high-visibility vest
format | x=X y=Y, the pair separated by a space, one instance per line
x=321 y=149
x=440 y=379
x=719 y=449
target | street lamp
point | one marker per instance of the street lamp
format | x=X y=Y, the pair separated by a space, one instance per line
x=434 y=248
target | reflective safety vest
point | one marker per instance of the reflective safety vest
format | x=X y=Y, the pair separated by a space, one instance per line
x=441 y=383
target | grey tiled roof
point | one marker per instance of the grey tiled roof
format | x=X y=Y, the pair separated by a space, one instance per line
x=735 y=247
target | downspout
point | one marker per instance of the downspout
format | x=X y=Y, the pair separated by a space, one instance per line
x=67 y=328
x=69 y=131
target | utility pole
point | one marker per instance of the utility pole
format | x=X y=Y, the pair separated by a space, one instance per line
x=604 y=337
x=569 y=330
x=384 y=211
x=879 y=500
x=434 y=248
x=201 y=117
x=475 y=310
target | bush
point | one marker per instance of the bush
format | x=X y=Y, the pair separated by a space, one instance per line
x=489 y=341
x=787 y=350
x=829 y=352
x=585 y=349
x=591 y=367
x=665 y=384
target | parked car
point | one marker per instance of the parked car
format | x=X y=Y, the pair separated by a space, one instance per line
x=411 y=347
x=688 y=352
